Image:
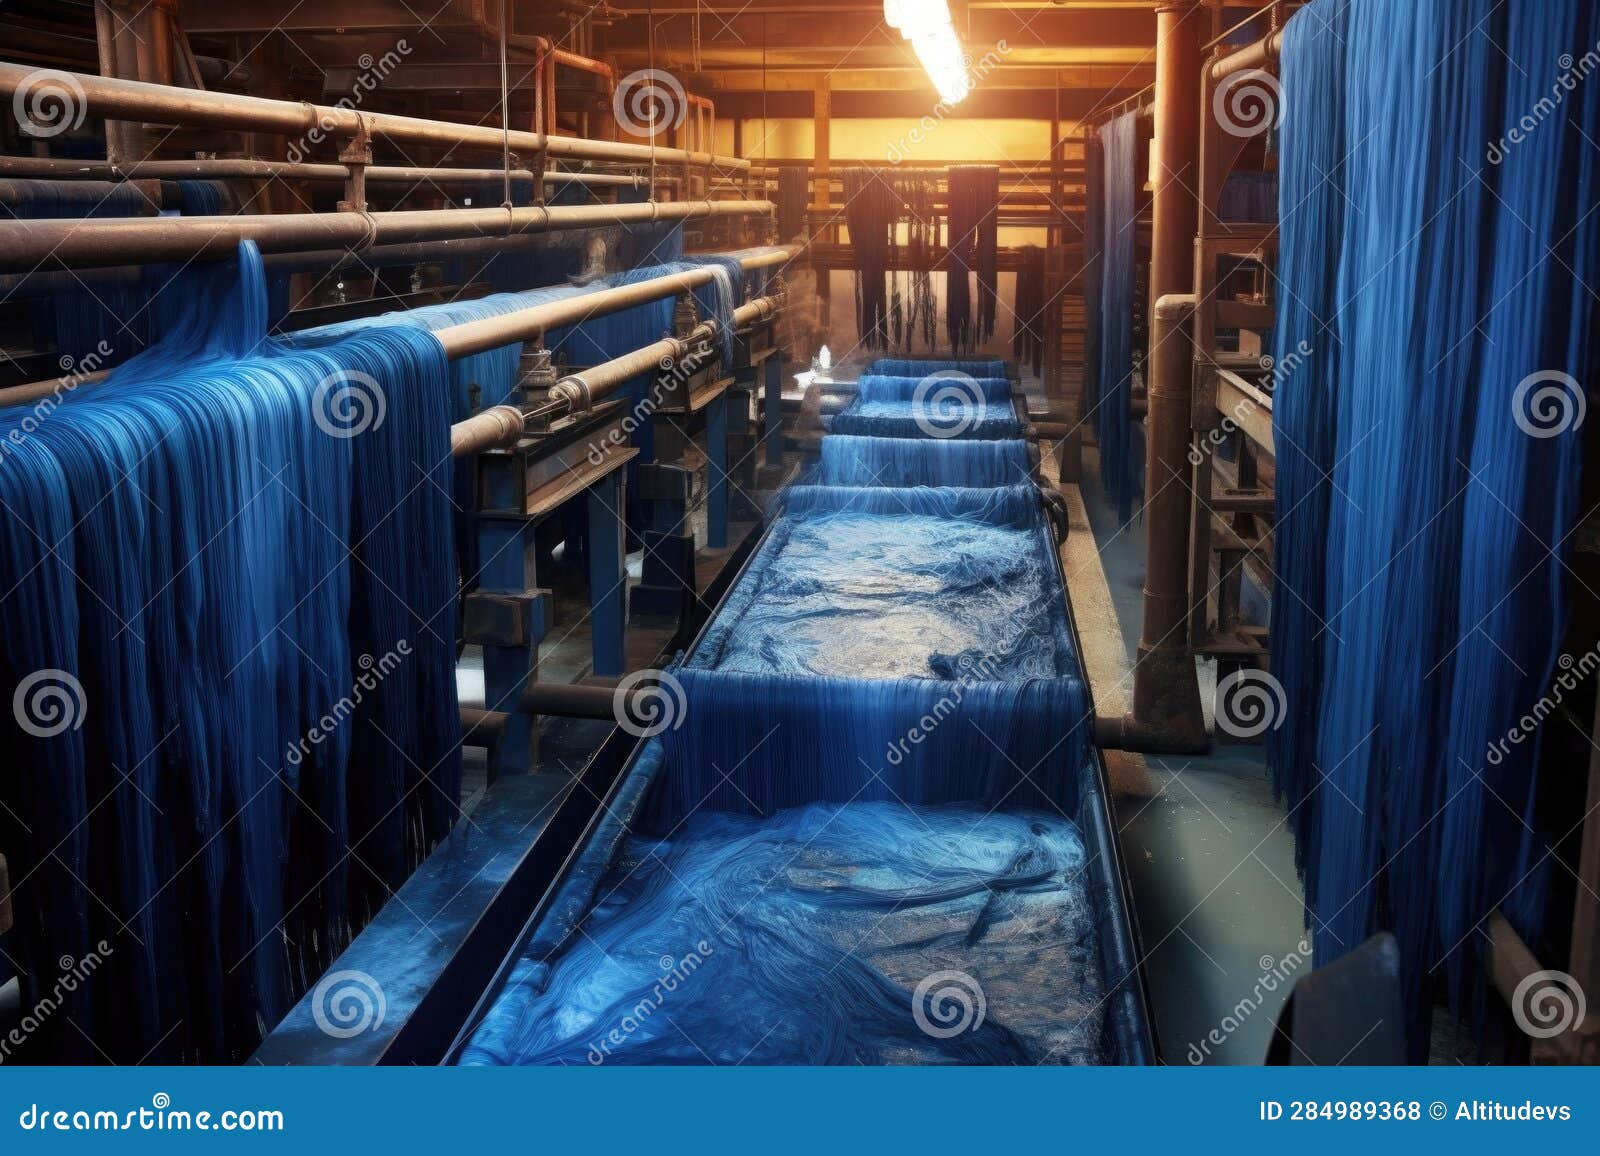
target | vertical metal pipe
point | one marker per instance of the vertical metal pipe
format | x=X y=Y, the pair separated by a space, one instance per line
x=1166 y=696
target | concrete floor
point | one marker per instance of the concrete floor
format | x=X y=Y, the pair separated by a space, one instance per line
x=1209 y=857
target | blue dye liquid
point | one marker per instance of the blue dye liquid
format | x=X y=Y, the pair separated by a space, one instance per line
x=855 y=845
x=868 y=933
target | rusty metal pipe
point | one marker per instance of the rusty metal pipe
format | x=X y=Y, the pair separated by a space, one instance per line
x=238 y=168
x=1166 y=690
x=591 y=699
x=492 y=332
x=76 y=244
x=1264 y=53
x=14 y=193
x=476 y=336
x=106 y=96
x=504 y=425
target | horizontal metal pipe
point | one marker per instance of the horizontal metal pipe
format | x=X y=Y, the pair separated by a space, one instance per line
x=503 y=425
x=105 y=96
x=1264 y=53
x=238 y=168
x=477 y=336
x=15 y=194
x=492 y=332
x=77 y=244
x=559 y=699
x=500 y=425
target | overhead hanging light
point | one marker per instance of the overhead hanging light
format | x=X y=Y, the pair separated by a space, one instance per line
x=926 y=23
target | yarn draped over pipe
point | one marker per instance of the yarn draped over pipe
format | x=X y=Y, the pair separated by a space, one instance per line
x=227 y=753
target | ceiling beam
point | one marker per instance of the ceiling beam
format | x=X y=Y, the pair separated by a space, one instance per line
x=1086 y=78
x=836 y=57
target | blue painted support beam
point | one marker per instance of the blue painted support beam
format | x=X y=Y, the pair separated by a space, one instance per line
x=506 y=547
x=772 y=408
x=608 y=575
x=717 y=473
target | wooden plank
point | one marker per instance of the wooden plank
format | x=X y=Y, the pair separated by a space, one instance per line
x=546 y=498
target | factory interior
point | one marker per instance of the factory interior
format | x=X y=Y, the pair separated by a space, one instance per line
x=799 y=532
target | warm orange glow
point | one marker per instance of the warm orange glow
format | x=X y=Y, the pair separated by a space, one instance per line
x=926 y=23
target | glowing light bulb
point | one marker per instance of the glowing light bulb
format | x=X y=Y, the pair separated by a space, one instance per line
x=926 y=23
x=825 y=359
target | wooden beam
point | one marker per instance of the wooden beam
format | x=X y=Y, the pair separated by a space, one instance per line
x=1097 y=78
x=824 y=58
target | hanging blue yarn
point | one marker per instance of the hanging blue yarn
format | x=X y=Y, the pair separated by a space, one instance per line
x=902 y=367
x=1311 y=227
x=1249 y=196
x=870 y=461
x=1113 y=414
x=1094 y=237
x=101 y=321
x=200 y=198
x=1421 y=599
x=1538 y=352
x=97 y=318
x=250 y=716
